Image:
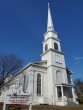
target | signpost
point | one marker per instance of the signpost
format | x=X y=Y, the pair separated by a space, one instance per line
x=17 y=99
x=4 y=106
x=24 y=98
x=18 y=94
x=30 y=102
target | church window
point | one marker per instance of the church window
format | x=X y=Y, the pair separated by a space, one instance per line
x=38 y=84
x=46 y=47
x=55 y=46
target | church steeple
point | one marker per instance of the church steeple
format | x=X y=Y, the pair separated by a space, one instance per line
x=49 y=22
x=51 y=40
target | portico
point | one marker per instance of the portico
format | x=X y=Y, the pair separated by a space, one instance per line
x=65 y=92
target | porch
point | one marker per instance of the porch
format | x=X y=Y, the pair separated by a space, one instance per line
x=65 y=93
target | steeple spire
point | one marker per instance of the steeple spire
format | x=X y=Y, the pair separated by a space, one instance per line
x=49 y=23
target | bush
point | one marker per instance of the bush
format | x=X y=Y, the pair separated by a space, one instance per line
x=80 y=100
x=14 y=107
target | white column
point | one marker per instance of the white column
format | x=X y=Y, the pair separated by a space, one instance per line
x=62 y=92
x=71 y=80
x=73 y=94
x=56 y=94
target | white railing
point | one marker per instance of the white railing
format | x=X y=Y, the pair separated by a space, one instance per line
x=70 y=99
x=60 y=98
x=65 y=99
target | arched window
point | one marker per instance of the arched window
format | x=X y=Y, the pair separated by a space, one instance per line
x=46 y=47
x=55 y=46
x=59 y=77
x=38 y=84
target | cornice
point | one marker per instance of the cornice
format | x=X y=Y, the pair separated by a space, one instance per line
x=53 y=51
x=51 y=38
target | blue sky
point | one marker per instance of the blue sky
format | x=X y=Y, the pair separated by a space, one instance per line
x=23 y=23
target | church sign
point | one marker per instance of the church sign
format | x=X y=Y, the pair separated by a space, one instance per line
x=17 y=99
x=17 y=96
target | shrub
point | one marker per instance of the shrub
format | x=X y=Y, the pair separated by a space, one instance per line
x=80 y=100
x=14 y=107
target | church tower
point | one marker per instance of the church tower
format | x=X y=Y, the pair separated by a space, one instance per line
x=57 y=77
x=52 y=46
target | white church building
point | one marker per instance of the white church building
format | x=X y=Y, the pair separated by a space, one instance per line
x=48 y=80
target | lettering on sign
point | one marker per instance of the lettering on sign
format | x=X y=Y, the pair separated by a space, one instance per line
x=17 y=99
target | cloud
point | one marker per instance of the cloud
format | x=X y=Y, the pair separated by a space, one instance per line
x=78 y=58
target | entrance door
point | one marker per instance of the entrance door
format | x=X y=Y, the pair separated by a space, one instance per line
x=59 y=93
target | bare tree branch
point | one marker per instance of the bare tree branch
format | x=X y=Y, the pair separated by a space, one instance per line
x=9 y=64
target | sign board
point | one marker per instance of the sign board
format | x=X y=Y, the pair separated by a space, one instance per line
x=17 y=99
x=16 y=95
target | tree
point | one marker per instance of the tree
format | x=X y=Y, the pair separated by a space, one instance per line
x=78 y=86
x=79 y=89
x=9 y=65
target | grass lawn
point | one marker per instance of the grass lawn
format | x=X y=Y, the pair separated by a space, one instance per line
x=1 y=106
x=57 y=108
x=48 y=107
